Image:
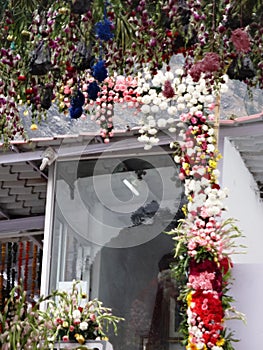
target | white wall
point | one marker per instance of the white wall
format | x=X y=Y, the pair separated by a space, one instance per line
x=245 y=206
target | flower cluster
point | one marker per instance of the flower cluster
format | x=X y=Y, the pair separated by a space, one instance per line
x=60 y=316
x=79 y=319
x=204 y=240
x=170 y=93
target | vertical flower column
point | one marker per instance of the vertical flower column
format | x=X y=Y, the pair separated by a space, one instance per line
x=204 y=241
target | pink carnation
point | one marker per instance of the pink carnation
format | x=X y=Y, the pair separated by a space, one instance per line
x=240 y=40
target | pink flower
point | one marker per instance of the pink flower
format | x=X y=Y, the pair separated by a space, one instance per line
x=211 y=62
x=240 y=40
x=65 y=338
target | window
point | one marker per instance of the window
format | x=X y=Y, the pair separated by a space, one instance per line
x=109 y=219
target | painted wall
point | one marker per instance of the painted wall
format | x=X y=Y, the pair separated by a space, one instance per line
x=245 y=206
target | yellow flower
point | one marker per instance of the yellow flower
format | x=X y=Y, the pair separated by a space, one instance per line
x=34 y=127
x=80 y=339
x=105 y=338
x=212 y=164
x=220 y=342
x=65 y=324
x=189 y=298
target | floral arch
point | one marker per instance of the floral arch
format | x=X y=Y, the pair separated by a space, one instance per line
x=86 y=56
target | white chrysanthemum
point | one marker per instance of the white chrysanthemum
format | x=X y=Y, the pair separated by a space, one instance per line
x=181 y=88
x=172 y=110
x=153 y=140
x=155 y=109
x=176 y=81
x=152 y=123
x=161 y=123
x=146 y=99
x=180 y=99
x=209 y=99
x=147 y=147
x=145 y=109
x=163 y=105
x=146 y=87
x=157 y=101
x=190 y=89
x=169 y=75
x=143 y=138
x=172 y=129
x=193 y=101
x=187 y=97
x=210 y=148
x=181 y=106
x=152 y=131
x=179 y=71
x=152 y=92
x=193 y=109
x=170 y=120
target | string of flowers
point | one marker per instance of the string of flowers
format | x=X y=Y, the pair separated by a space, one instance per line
x=204 y=241
x=20 y=260
x=34 y=271
x=26 y=265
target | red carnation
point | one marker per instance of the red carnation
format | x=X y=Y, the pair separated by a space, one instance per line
x=168 y=91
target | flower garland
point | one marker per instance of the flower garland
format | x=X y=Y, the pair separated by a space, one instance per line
x=204 y=241
x=170 y=93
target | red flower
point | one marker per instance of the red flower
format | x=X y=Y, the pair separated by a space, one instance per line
x=168 y=91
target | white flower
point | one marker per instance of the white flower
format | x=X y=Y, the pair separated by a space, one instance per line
x=172 y=129
x=210 y=148
x=181 y=106
x=194 y=101
x=154 y=140
x=181 y=88
x=146 y=99
x=147 y=147
x=179 y=71
x=152 y=131
x=155 y=109
x=143 y=138
x=209 y=99
x=152 y=123
x=161 y=123
x=172 y=110
x=177 y=159
x=84 y=325
x=180 y=99
x=163 y=105
x=169 y=75
x=152 y=92
x=190 y=89
x=187 y=97
x=76 y=314
x=170 y=120
x=145 y=109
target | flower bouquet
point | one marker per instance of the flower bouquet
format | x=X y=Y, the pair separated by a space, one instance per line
x=77 y=319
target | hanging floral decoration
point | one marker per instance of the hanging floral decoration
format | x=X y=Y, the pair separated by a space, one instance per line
x=56 y=41
x=204 y=241
x=166 y=95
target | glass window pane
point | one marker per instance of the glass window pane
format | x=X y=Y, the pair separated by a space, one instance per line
x=110 y=215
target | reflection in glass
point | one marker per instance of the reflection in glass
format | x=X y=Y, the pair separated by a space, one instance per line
x=111 y=237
